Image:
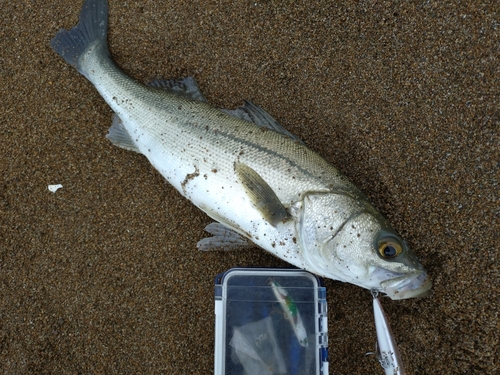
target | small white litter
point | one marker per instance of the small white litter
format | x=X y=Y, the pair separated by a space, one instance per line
x=54 y=188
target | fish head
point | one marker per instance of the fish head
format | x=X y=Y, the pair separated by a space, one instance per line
x=343 y=237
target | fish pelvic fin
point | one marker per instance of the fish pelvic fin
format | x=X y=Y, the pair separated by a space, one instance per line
x=223 y=239
x=90 y=32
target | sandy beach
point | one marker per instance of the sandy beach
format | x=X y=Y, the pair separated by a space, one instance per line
x=103 y=276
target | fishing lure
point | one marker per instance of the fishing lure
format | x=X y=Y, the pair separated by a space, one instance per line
x=291 y=311
x=387 y=352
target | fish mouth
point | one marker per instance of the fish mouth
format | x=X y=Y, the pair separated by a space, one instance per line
x=416 y=285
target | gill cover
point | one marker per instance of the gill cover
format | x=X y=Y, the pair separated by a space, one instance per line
x=321 y=217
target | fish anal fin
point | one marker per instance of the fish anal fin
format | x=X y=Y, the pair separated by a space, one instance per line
x=261 y=195
x=119 y=136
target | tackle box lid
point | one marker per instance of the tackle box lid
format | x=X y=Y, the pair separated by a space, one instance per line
x=270 y=321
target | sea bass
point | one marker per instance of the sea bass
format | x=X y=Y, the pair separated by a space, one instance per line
x=260 y=183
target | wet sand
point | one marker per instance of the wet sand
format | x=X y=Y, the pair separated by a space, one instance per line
x=103 y=276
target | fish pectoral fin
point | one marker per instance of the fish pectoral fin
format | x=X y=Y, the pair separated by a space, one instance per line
x=223 y=239
x=253 y=113
x=261 y=195
x=187 y=87
x=119 y=136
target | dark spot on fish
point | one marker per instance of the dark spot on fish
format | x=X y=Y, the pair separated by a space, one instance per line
x=188 y=177
x=214 y=170
x=273 y=244
x=179 y=107
x=294 y=240
x=205 y=176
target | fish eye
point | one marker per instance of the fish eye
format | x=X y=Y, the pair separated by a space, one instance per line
x=389 y=249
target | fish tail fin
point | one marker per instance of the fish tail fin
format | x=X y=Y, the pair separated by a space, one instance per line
x=90 y=32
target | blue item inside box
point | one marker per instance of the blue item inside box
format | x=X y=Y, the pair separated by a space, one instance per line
x=270 y=321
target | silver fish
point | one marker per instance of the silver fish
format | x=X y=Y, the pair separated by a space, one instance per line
x=241 y=167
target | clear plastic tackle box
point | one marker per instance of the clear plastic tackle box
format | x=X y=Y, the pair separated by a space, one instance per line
x=270 y=321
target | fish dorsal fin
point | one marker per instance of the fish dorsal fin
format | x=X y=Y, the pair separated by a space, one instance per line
x=187 y=87
x=261 y=195
x=119 y=136
x=223 y=239
x=253 y=113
